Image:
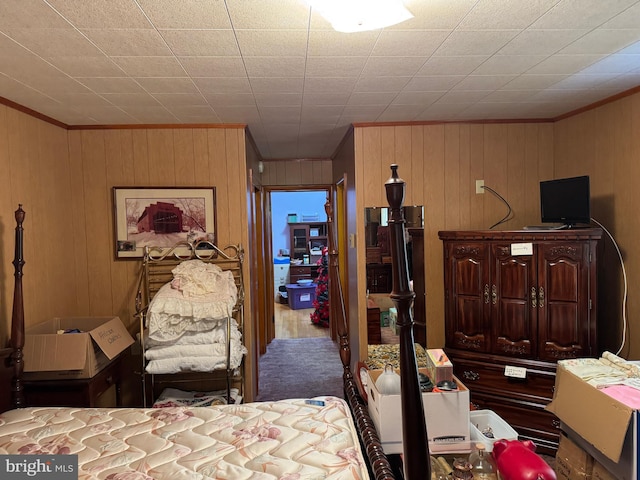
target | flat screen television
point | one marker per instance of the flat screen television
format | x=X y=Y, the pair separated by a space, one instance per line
x=566 y=201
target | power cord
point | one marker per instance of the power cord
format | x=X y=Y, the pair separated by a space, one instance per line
x=624 y=296
x=508 y=216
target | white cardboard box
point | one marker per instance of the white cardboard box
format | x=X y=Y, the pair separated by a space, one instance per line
x=49 y=355
x=446 y=413
x=483 y=419
x=605 y=428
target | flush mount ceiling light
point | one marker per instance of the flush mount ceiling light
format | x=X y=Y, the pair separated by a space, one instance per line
x=350 y=16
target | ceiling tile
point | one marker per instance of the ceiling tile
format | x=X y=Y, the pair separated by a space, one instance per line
x=290 y=14
x=209 y=43
x=329 y=85
x=131 y=99
x=104 y=14
x=475 y=42
x=58 y=84
x=581 y=13
x=124 y=43
x=330 y=43
x=371 y=98
x=508 y=64
x=381 y=84
x=435 y=14
x=29 y=14
x=167 y=85
x=272 y=43
x=400 y=113
x=222 y=85
x=602 y=41
x=293 y=100
x=483 y=82
x=451 y=65
x=155 y=114
x=194 y=113
x=230 y=99
x=415 y=43
x=629 y=18
x=273 y=115
x=533 y=82
x=463 y=96
x=510 y=14
x=614 y=64
x=418 y=98
x=112 y=85
x=213 y=66
x=52 y=42
x=150 y=66
x=238 y=114
x=325 y=98
x=432 y=83
x=388 y=66
x=177 y=99
x=566 y=64
x=540 y=42
x=335 y=66
x=275 y=66
x=186 y=14
x=86 y=66
x=277 y=85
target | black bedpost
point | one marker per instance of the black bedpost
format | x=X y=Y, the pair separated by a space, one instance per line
x=417 y=462
x=17 y=319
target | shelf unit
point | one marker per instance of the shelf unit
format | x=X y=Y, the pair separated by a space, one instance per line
x=306 y=236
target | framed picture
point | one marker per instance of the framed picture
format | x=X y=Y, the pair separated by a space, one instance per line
x=162 y=217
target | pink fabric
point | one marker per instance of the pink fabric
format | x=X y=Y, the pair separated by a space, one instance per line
x=625 y=394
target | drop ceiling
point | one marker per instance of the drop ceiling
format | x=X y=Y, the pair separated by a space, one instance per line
x=278 y=67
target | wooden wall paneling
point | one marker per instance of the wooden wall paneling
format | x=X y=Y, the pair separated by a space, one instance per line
x=183 y=153
x=54 y=192
x=386 y=158
x=476 y=172
x=78 y=222
x=219 y=179
x=201 y=158
x=306 y=172
x=124 y=273
x=515 y=192
x=7 y=226
x=495 y=168
x=98 y=214
x=293 y=173
x=357 y=293
x=546 y=151
x=403 y=158
x=372 y=164
x=531 y=214
x=238 y=191
x=434 y=157
x=417 y=166
x=142 y=167
x=161 y=159
x=452 y=176
x=467 y=185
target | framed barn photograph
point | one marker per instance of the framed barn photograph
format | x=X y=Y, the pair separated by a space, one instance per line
x=162 y=217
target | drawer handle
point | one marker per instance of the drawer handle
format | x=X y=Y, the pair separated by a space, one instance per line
x=541 y=297
x=494 y=294
x=470 y=375
x=534 y=297
x=486 y=293
x=555 y=424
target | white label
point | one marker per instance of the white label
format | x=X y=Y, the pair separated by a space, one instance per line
x=305 y=297
x=515 y=372
x=522 y=249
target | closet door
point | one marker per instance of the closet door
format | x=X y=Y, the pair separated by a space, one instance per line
x=467 y=295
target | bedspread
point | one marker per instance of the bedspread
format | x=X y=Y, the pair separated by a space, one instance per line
x=287 y=440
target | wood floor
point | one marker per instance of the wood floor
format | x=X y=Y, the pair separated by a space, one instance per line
x=291 y=323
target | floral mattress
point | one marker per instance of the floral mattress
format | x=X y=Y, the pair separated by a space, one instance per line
x=288 y=439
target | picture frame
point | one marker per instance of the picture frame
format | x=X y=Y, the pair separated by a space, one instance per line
x=161 y=217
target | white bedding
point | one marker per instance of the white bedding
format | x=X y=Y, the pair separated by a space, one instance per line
x=285 y=440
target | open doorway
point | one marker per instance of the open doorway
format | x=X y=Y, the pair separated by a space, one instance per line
x=298 y=239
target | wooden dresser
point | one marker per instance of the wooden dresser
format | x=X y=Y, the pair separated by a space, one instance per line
x=516 y=302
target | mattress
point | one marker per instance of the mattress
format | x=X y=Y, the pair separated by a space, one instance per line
x=288 y=439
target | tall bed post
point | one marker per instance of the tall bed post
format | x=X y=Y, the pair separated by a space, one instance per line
x=417 y=463
x=378 y=461
x=17 y=318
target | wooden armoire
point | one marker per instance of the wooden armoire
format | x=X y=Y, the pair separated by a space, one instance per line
x=516 y=302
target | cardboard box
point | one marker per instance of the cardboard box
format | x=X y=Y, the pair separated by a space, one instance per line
x=439 y=366
x=49 y=355
x=601 y=473
x=604 y=427
x=446 y=413
x=301 y=296
x=572 y=462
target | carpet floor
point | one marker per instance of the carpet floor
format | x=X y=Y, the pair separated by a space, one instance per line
x=299 y=368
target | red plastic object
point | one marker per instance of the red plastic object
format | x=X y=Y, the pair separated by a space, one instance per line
x=517 y=460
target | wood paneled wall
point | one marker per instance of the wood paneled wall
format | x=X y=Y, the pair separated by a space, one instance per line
x=65 y=179
x=604 y=143
x=297 y=172
x=440 y=164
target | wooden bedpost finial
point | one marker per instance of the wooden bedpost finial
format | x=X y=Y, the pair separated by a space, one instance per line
x=17 y=318
x=414 y=429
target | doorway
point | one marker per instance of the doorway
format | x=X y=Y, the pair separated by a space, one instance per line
x=298 y=234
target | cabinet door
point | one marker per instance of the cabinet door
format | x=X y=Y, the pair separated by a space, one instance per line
x=467 y=295
x=566 y=323
x=513 y=319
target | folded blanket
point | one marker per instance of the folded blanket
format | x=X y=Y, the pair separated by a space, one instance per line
x=190 y=351
x=195 y=277
x=194 y=364
x=218 y=334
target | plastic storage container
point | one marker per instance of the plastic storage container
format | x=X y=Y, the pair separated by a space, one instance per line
x=488 y=420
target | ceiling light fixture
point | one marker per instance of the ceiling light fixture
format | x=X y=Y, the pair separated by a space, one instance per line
x=350 y=16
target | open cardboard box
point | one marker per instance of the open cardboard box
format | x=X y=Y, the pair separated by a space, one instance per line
x=49 y=355
x=604 y=427
x=446 y=414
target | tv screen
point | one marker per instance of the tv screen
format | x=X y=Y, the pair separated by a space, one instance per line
x=566 y=201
